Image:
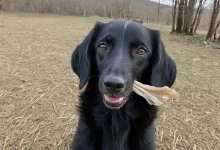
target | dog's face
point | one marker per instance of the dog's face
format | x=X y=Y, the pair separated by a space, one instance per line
x=120 y=52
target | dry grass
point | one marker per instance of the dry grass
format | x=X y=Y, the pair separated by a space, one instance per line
x=38 y=89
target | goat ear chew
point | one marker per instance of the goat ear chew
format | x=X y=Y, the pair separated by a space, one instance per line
x=154 y=95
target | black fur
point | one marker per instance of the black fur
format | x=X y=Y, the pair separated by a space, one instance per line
x=130 y=127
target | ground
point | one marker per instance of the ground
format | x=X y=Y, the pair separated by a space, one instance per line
x=39 y=91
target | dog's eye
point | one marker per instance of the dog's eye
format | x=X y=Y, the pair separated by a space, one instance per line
x=141 y=51
x=102 y=47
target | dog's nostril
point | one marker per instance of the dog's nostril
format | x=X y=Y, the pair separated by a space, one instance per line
x=119 y=86
x=107 y=85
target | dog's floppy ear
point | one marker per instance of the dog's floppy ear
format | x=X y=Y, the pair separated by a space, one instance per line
x=163 y=67
x=81 y=57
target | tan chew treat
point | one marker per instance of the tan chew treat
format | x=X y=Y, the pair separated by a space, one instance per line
x=155 y=95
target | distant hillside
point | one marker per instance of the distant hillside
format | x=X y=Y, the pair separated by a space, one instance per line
x=144 y=9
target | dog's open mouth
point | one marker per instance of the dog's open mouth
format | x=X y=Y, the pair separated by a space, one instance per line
x=114 y=102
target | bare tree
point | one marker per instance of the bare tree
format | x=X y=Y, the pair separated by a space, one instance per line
x=174 y=15
x=82 y=4
x=158 y=11
x=1 y=7
x=189 y=11
x=179 y=23
x=216 y=27
x=131 y=8
x=198 y=21
x=197 y=17
x=185 y=20
x=215 y=12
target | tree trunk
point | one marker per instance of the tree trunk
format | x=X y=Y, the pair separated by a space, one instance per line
x=154 y=17
x=104 y=7
x=180 y=17
x=199 y=16
x=120 y=11
x=131 y=9
x=196 y=17
x=185 y=20
x=216 y=27
x=111 y=12
x=198 y=21
x=191 y=13
x=215 y=38
x=188 y=15
x=174 y=15
x=147 y=17
x=158 y=12
x=168 y=18
x=84 y=12
x=213 y=19
x=1 y=3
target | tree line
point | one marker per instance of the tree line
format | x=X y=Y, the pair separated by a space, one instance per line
x=143 y=9
x=185 y=16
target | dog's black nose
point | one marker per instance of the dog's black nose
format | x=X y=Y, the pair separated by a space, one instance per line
x=114 y=84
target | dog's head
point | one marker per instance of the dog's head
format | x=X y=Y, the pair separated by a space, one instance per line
x=118 y=53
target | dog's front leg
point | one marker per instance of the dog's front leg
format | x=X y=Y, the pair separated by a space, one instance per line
x=142 y=135
x=83 y=139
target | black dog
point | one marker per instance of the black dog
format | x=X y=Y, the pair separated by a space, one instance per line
x=110 y=58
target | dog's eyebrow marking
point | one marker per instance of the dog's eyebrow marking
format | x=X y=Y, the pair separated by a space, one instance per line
x=123 y=34
x=118 y=61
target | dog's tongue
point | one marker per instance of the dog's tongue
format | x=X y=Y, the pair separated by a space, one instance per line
x=113 y=99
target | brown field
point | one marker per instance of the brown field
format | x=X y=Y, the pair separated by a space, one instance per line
x=39 y=91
